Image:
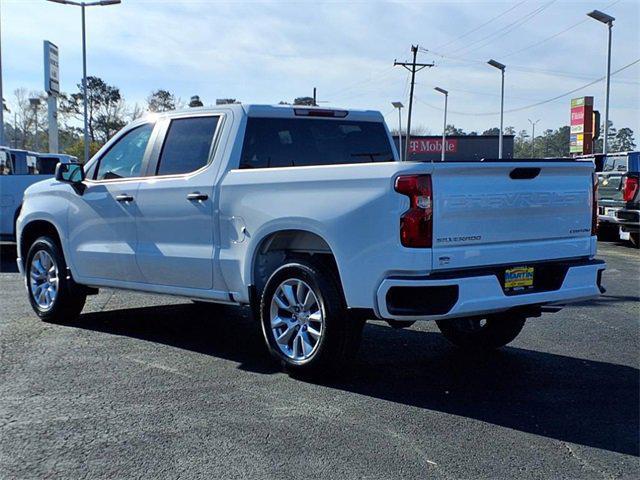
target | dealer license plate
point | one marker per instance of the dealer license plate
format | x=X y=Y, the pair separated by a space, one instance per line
x=518 y=278
x=610 y=212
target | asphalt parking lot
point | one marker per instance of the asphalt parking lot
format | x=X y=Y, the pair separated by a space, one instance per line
x=145 y=386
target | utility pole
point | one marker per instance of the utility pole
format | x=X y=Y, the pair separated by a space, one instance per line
x=533 y=137
x=413 y=67
x=315 y=103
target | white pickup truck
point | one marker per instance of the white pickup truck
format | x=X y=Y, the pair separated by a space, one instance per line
x=18 y=170
x=307 y=215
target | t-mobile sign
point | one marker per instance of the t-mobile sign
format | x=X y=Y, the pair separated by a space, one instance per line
x=432 y=145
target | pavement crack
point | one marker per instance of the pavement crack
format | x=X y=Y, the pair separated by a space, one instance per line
x=585 y=464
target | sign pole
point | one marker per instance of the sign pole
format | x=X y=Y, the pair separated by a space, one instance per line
x=52 y=116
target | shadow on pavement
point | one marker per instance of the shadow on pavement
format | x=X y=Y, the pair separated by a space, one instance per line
x=586 y=402
x=609 y=299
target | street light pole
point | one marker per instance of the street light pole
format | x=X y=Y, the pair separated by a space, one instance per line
x=444 y=126
x=500 y=67
x=82 y=5
x=607 y=20
x=399 y=106
x=533 y=137
x=605 y=143
x=84 y=87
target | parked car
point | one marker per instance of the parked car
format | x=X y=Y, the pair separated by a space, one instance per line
x=306 y=215
x=616 y=195
x=628 y=216
x=18 y=170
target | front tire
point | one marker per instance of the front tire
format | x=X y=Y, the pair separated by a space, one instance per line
x=54 y=297
x=305 y=321
x=489 y=333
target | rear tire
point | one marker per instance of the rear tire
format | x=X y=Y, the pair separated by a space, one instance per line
x=400 y=324
x=54 y=297
x=489 y=333
x=608 y=232
x=305 y=322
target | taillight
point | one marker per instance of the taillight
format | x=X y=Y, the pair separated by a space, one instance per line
x=629 y=188
x=416 y=224
x=594 y=205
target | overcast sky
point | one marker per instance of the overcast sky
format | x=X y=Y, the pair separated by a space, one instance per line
x=264 y=52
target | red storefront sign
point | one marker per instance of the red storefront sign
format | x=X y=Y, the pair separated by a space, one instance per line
x=432 y=145
x=581 y=125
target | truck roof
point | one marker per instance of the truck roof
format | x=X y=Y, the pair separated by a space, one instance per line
x=281 y=111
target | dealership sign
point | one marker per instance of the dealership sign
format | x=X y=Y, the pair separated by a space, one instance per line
x=51 y=68
x=581 y=140
x=432 y=145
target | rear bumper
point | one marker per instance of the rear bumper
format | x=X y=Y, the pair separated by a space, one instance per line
x=629 y=220
x=608 y=219
x=471 y=293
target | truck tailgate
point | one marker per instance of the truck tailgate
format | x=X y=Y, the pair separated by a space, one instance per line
x=504 y=212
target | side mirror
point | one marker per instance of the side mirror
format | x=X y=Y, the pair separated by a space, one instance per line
x=69 y=173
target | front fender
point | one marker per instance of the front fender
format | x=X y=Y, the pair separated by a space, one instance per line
x=49 y=206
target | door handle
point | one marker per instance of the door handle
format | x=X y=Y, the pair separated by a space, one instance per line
x=123 y=197
x=197 y=196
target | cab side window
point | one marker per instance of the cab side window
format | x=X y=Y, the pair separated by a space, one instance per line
x=6 y=163
x=44 y=166
x=124 y=158
x=187 y=145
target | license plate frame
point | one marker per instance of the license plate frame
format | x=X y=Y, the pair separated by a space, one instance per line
x=519 y=278
x=610 y=212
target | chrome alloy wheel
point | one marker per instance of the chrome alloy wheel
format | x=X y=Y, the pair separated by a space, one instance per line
x=43 y=279
x=296 y=319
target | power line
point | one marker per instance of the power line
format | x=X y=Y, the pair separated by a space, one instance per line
x=473 y=30
x=373 y=75
x=551 y=37
x=509 y=54
x=504 y=30
x=526 y=107
x=475 y=92
x=523 y=68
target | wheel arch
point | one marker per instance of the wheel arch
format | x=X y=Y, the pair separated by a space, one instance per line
x=278 y=246
x=15 y=221
x=35 y=229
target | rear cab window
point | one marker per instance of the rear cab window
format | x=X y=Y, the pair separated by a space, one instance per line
x=616 y=164
x=187 y=145
x=298 y=142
